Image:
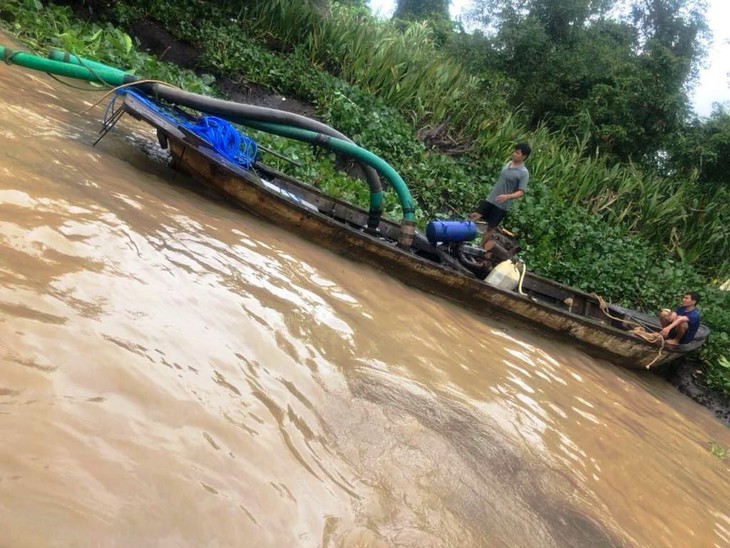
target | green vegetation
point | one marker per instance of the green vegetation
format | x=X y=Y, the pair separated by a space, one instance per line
x=613 y=71
x=717 y=450
x=59 y=29
x=636 y=234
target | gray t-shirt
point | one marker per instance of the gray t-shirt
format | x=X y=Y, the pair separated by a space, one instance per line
x=511 y=179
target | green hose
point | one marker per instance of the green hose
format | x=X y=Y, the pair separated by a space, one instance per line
x=66 y=57
x=349 y=149
x=408 y=224
x=101 y=74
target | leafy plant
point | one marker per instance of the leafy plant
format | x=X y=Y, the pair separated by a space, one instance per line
x=717 y=450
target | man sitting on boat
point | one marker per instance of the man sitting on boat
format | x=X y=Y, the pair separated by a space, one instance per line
x=680 y=326
x=511 y=184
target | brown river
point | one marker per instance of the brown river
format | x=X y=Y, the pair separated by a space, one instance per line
x=177 y=372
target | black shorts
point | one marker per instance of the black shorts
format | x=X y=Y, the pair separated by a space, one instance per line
x=491 y=214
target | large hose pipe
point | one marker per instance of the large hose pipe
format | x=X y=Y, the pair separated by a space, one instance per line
x=239 y=112
x=229 y=110
x=100 y=74
x=408 y=224
x=66 y=57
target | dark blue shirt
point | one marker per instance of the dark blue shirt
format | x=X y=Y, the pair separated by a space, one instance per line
x=693 y=316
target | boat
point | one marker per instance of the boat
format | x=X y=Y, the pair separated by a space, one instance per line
x=441 y=262
x=452 y=270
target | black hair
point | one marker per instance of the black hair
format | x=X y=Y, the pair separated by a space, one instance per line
x=524 y=148
x=695 y=296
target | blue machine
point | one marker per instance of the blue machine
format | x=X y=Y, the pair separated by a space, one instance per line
x=450 y=231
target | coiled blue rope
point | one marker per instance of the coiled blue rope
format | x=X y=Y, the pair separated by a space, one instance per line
x=220 y=134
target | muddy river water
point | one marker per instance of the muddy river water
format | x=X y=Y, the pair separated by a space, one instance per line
x=176 y=372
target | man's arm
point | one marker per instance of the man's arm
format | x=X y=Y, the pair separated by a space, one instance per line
x=504 y=197
x=678 y=320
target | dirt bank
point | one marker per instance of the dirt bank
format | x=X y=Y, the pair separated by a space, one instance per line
x=689 y=379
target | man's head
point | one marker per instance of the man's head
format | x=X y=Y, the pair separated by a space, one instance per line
x=524 y=148
x=690 y=299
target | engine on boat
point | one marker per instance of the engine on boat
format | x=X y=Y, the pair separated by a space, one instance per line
x=457 y=245
x=481 y=262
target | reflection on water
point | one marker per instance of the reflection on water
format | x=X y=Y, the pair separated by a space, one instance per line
x=177 y=372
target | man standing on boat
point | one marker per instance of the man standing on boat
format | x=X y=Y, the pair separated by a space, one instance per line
x=512 y=184
x=685 y=321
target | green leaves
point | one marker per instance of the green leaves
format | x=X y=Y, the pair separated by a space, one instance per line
x=718 y=451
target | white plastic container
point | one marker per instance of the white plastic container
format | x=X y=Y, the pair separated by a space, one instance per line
x=505 y=275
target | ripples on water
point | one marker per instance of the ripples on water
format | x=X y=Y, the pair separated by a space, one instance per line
x=177 y=372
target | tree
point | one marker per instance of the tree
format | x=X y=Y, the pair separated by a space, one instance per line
x=672 y=37
x=703 y=148
x=577 y=66
x=422 y=9
x=353 y=3
x=557 y=17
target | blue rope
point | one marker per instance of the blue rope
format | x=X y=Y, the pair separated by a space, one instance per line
x=220 y=134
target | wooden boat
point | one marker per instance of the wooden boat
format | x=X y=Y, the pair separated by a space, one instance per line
x=623 y=336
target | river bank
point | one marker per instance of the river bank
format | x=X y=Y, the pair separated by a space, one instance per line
x=689 y=379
